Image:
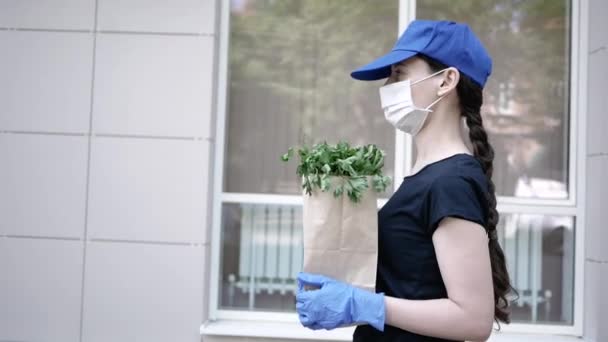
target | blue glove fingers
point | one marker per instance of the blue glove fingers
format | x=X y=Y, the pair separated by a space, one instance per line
x=337 y=304
x=305 y=315
x=305 y=296
x=315 y=326
x=315 y=280
x=305 y=320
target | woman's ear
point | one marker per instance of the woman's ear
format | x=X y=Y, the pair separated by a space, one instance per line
x=450 y=80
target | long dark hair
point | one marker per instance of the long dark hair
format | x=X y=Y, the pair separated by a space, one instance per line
x=470 y=98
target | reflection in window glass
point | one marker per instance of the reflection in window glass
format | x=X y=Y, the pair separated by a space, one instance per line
x=261 y=256
x=290 y=64
x=540 y=257
x=289 y=84
x=526 y=98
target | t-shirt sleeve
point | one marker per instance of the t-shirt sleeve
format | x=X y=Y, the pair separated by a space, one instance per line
x=455 y=196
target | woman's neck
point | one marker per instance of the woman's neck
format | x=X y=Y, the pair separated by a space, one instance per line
x=440 y=138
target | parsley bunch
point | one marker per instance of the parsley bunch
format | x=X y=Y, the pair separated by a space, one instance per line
x=354 y=164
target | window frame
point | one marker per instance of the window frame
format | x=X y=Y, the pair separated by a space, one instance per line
x=572 y=206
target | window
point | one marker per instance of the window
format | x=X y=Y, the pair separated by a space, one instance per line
x=527 y=112
x=289 y=84
x=286 y=82
x=526 y=100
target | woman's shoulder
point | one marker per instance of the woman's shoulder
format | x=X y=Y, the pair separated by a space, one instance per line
x=463 y=169
x=459 y=190
x=469 y=165
x=460 y=169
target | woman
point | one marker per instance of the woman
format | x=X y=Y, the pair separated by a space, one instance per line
x=441 y=272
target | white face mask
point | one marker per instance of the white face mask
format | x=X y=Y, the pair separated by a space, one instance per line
x=399 y=108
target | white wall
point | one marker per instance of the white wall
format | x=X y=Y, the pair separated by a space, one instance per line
x=105 y=140
x=596 y=256
x=596 y=197
x=106 y=137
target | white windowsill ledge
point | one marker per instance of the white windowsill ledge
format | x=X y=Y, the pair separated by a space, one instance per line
x=266 y=329
x=280 y=330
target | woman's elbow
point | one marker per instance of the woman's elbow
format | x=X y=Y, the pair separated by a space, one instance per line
x=481 y=330
x=481 y=336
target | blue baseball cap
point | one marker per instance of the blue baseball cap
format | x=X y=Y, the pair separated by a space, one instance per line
x=453 y=44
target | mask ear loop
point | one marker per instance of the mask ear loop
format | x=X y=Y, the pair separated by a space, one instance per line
x=427 y=109
x=429 y=76
x=432 y=104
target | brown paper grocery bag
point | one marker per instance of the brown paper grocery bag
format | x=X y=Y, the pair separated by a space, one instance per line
x=341 y=237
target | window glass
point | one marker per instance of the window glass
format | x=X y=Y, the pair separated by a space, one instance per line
x=261 y=256
x=526 y=99
x=289 y=84
x=540 y=255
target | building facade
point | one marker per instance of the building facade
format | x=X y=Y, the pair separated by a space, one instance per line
x=144 y=199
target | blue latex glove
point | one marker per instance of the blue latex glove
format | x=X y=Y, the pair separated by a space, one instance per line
x=337 y=304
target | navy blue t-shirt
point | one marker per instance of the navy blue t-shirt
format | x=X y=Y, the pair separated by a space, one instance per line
x=407 y=265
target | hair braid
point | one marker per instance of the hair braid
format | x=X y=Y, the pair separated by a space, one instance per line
x=470 y=96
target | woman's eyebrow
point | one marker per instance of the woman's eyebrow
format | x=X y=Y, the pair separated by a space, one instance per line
x=401 y=67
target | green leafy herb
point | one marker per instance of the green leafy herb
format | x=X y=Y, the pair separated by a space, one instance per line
x=353 y=164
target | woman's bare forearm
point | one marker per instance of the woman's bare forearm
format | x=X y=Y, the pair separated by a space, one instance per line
x=441 y=318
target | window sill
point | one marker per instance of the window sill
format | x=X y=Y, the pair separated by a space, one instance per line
x=277 y=330
x=294 y=331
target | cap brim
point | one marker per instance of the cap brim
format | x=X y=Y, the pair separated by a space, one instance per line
x=381 y=67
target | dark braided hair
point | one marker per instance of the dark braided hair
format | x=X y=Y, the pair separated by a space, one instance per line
x=470 y=98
